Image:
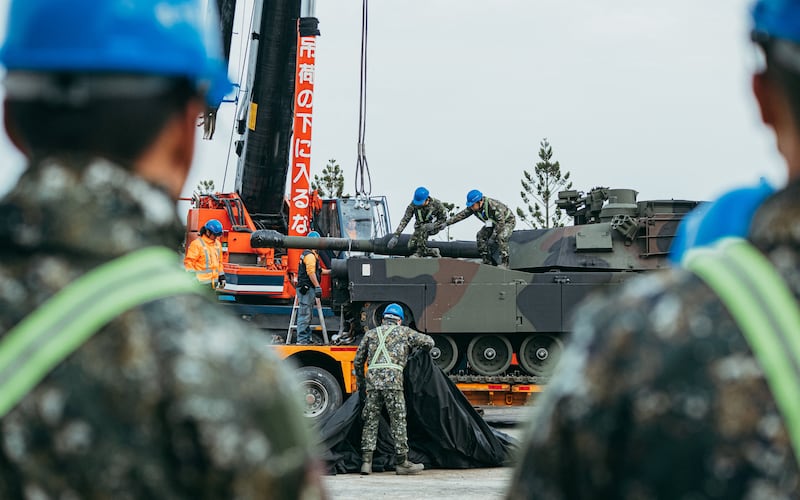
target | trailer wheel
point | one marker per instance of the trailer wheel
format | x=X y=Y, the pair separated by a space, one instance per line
x=322 y=394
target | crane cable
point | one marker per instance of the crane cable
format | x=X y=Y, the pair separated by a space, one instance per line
x=363 y=180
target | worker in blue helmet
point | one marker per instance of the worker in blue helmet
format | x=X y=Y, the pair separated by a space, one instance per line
x=122 y=378
x=685 y=383
x=309 y=290
x=384 y=351
x=203 y=256
x=498 y=225
x=429 y=217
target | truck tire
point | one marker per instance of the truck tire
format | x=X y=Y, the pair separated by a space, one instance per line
x=321 y=393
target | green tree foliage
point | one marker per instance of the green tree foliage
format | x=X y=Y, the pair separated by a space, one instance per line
x=331 y=183
x=540 y=191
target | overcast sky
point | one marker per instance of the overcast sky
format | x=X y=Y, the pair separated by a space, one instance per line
x=630 y=94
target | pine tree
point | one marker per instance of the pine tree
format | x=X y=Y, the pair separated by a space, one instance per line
x=331 y=184
x=540 y=193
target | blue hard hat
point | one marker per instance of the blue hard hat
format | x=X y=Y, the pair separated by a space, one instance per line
x=312 y=234
x=214 y=227
x=473 y=197
x=777 y=19
x=149 y=37
x=394 y=310
x=420 y=195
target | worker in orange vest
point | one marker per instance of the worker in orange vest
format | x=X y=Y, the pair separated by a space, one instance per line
x=204 y=255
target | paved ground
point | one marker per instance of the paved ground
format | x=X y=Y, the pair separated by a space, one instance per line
x=461 y=484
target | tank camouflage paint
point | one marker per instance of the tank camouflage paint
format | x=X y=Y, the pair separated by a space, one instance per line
x=493 y=324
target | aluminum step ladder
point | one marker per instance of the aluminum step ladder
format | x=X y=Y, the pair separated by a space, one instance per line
x=293 y=321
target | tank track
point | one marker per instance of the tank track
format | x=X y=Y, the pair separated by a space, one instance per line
x=498 y=379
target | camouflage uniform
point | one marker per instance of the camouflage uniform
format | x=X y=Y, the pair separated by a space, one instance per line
x=434 y=212
x=499 y=221
x=172 y=399
x=385 y=384
x=660 y=396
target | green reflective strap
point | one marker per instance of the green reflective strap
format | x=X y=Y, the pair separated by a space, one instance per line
x=382 y=351
x=53 y=331
x=766 y=311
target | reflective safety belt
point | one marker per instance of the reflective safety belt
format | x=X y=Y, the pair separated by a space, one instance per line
x=68 y=319
x=765 y=310
x=382 y=351
x=208 y=269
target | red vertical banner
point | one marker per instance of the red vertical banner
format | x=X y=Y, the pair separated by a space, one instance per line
x=300 y=189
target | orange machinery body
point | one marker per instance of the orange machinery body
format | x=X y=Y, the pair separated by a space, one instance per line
x=248 y=270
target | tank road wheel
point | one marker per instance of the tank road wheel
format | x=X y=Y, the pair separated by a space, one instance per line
x=539 y=354
x=368 y=317
x=489 y=354
x=371 y=315
x=444 y=352
x=322 y=394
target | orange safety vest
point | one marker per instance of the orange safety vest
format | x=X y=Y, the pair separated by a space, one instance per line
x=204 y=259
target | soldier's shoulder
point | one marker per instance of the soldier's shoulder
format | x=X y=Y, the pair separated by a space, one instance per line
x=197 y=325
x=646 y=304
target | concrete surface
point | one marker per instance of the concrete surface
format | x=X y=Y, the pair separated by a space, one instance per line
x=461 y=484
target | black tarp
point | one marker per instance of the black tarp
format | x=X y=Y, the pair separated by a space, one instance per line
x=444 y=430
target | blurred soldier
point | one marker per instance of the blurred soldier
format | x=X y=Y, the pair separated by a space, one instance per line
x=204 y=255
x=309 y=273
x=119 y=378
x=729 y=215
x=385 y=350
x=498 y=223
x=429 y=217
x=665 y=391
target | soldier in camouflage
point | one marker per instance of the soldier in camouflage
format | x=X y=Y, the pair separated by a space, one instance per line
x=429 y=217
x=172 y=399
x=660 y=395
x=385 y=350
x=498 y=220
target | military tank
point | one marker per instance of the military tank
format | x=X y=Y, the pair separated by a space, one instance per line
x=490 y=324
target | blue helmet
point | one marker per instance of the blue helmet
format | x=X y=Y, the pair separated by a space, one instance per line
x=394 y=311
x=777 y=19
x=312 y=234
x=474 y=197
x=420 y=195
x=148 y=37
x=214 y=227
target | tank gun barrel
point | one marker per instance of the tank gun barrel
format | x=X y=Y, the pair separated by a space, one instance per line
x=266 y=238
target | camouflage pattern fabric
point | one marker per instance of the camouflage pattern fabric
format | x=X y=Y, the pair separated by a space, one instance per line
x=399 y=342
x=659 y=395
x=434 y=212
x=171 y=400
x=395 y=403
x=502 y=225
x=385 y=384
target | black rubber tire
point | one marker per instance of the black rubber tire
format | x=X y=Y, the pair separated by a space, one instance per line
x=371 y=315
x=321 y=392
x=499 y=346
x=539 y=354
x=445 y=352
